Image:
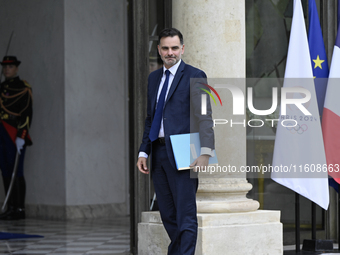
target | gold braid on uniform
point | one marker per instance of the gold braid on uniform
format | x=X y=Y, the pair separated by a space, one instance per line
x=26 y=123
x=19 y=96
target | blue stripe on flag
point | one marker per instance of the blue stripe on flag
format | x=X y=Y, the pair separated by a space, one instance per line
x=318 y=55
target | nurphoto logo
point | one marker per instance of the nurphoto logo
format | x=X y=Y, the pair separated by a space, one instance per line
x=291 y=97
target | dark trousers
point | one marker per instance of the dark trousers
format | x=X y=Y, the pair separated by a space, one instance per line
x=176 y=197
x=8 y=152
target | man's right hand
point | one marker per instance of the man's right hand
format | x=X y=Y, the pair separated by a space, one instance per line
x=141 y=164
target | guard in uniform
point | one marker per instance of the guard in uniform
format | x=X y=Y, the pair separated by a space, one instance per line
x=16 y=117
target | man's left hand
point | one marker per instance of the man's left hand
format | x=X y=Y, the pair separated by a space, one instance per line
x=200 y=163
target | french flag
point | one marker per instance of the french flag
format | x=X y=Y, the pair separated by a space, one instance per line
x=331 y=115
x=305 y=148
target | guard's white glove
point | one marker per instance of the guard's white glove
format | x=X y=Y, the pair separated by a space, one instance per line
x=20 y=144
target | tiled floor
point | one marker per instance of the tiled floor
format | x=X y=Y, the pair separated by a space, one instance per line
x=74 y=237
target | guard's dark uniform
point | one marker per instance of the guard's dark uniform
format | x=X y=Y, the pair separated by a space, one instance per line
x=16 y=108
x=16 y=117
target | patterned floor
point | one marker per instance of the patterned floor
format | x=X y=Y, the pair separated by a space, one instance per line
x=73 y=237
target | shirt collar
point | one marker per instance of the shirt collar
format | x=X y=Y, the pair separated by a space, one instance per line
x=173 y=69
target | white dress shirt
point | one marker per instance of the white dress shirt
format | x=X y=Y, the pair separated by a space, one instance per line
x=173 y=71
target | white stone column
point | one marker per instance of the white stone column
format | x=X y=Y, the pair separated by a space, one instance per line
x=214 y=39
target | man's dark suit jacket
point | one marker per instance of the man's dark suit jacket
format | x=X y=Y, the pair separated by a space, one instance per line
x=182 y=109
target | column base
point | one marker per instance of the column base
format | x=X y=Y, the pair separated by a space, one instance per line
x=230 y=207
x=257 y=233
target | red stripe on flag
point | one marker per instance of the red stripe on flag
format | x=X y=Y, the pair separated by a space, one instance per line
x=331 y=137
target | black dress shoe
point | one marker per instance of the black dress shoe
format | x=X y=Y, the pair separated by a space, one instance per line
x=13 y=214
x=9 y=210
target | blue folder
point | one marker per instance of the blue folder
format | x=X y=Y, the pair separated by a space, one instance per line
x=186 y=148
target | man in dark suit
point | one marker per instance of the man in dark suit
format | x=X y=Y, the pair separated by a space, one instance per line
x=174 y=107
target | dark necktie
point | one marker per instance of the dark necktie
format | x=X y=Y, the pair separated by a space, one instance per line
x=156 y=123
